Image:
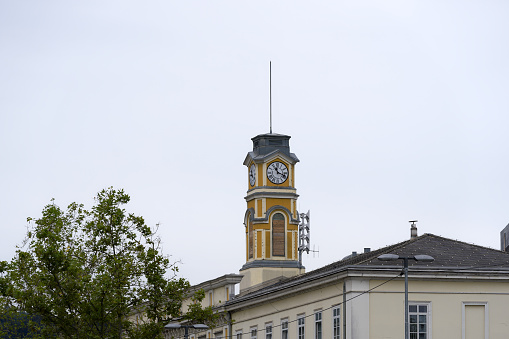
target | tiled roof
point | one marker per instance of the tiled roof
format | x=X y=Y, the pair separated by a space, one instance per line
x=448 y=254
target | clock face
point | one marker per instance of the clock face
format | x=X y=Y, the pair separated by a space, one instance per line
x=277 y=172
x=252 y=174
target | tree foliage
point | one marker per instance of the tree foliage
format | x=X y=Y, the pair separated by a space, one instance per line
x=95 y=274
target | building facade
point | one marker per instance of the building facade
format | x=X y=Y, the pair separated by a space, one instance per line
x=463 y=293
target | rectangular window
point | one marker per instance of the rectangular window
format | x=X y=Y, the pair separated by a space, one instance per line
x=268 y=331
x=239 y=334
x=418 y=321
x=318 y=325
x=336 y=323
x=253 y=333
x=284 y=329
x=300 y=327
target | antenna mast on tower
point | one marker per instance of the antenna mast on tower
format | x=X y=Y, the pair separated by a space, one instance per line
x=270 y=94
x=304 y=238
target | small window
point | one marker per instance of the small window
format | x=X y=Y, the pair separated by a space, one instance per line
x=318 y=325
x=253 y=333
x=239 y=334
x=268 y=331
x=284 y=329
x=336 y=323
x=300 y=327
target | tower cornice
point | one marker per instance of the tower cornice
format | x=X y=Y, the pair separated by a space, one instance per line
x=271 y=193
x=291 y=158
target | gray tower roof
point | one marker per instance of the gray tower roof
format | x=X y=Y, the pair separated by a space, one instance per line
x=266 y=144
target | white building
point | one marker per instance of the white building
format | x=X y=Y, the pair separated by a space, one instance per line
x=463 y=293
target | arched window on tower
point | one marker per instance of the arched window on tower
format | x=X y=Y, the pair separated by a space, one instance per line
x=278 y=235
x=250 y=235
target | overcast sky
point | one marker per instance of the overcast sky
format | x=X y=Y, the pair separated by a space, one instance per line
x=398 y=110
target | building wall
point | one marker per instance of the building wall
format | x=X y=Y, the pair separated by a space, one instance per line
x=290 y=308
x=448 y=300
x=456 y=307
x=380 y=313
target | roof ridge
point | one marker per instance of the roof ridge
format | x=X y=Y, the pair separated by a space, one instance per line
x=466 y=243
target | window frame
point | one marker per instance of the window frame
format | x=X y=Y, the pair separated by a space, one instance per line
x=273 y=242
x=268 y=330
x=336 y=327
x=254 y=330
x=301 y=326
x=418 y=313
x=284 y=328
x=318 y=324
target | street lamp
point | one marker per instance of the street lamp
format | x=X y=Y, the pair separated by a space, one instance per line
x=186 y=327
x=392 y=257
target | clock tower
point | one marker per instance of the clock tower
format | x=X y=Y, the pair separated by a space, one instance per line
x=271 y=219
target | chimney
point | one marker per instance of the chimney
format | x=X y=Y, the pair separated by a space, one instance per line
x=367 y=249
x=413 y=229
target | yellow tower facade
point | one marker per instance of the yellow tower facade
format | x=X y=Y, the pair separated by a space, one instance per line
x=271 y=219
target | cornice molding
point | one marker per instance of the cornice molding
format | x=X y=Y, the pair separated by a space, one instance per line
x=267 y=194
x=272 y=263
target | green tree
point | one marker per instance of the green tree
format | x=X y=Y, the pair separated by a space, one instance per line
x=96 y=274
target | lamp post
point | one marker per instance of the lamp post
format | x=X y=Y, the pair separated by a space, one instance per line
x=186 y=327
x=392 y=257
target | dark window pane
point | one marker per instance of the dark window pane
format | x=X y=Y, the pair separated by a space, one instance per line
x=413 y=327
x=413 y=319
x=412 y=308
x=422 y=335
x=422 y=319
x=423 y=308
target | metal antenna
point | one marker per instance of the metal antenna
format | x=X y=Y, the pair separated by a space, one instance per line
x=304 y=242
x=270 y=95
